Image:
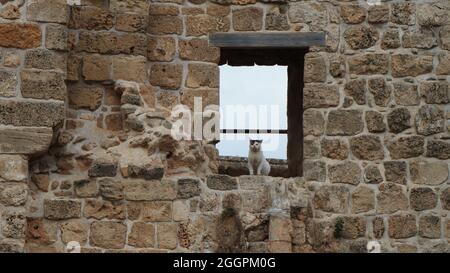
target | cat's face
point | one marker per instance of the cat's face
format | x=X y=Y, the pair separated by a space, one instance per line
x=255 y=145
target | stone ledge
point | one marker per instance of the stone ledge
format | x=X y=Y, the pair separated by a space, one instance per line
x=25 y=140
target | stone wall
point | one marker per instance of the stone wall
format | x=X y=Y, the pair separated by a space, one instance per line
x=111 y=177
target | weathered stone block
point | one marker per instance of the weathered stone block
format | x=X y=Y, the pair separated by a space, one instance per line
x=344 y=123
x=315 y=68
x=188 y=188
x=399 y=120
x=135 y=6
x=423 y=39
x=150 y=190
x=56 y=37
x=131 y=22
x=445 y=199
x=380 y=90
x=406 y=94
x=161 y=49
x=198 y=50
x=357 y=90
x=157 y=211
x=74 y=230
x=103 y=167
x=443 y=67
x=24 y=35
x=423 y=199
x=129 y=68
x=96 y=68
x=55 y=209
x=402 y=226
x=363 y=200
x=199 y=25
x=167 y=235
x=320 y=95
x=378 y=14
x=438 y=149
x=375 y=122
x=347 y=172
x=111 y=189
x=361 y=37
x=352 y=227
x=313 y=14
x=13 y=168
x=91 y=18
x=8 y=83
x=391 y=198
x=202 y=75
x=221 y=182
x=47 y=11
x=26 y=113
x=248 y=19
x=334 y=148
x=100 y=209
x=435 y=92
x=314 y=170
x=276 y=20
x=367 y=147
x=84 y=97
x=390 y=39
x=370 y=63
x=337 y=66
x=430 y=226
x=403 y=13
x=378 y=227
x=353 y=14
x=395 y=171
x=372 y=175
x=429 y=173
x=13 y=194
x=332 y=199
x=25 y=140
x=142 y=235
x=313 y=123
x=105 y=42
x=406 y=147
x=14 y=224
x=432 y=14
x=280 y=228
x=166 y=75
x=404 y=65
x=39 y=84
x=147 y=171
x=429 y=120
x=108 y=234
x=165 y=24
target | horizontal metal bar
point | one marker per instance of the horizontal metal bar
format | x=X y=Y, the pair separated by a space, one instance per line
x=267 y=40
x=253 y=131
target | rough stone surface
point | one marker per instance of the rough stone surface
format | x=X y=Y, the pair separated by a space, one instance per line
x=399 y=120
x=55 y=209
x=347 y=172
x=406 y=94
x=43 y=85
x=375 y=122
x=363 y=200
x=402 y=226
x=108 y=234
x=423 y=199
x=395 y=171
x=404 y=65
x=334 y=148
x=26 y=113
x=429 y=120
x=25 y=35
x=429 y=173
x=248 y=19
x=391 y=198
x=344 y=123
x=221 y=182
x=332 y=199
x=430 y=226
x=406 y=147
x=320 y=96
x=313 y=123
x=367 y=147
x=438 y=149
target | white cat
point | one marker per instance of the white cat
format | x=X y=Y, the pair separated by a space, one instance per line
x=257 y=163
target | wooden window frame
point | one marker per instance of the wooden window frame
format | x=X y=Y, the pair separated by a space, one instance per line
x=285 y=49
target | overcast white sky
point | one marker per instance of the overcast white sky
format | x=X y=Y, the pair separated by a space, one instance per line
x=261 y=94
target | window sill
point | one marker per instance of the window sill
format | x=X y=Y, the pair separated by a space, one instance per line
x=237 y=166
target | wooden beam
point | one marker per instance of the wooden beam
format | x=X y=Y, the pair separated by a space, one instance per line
x=295 y=117
x=267 y=40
